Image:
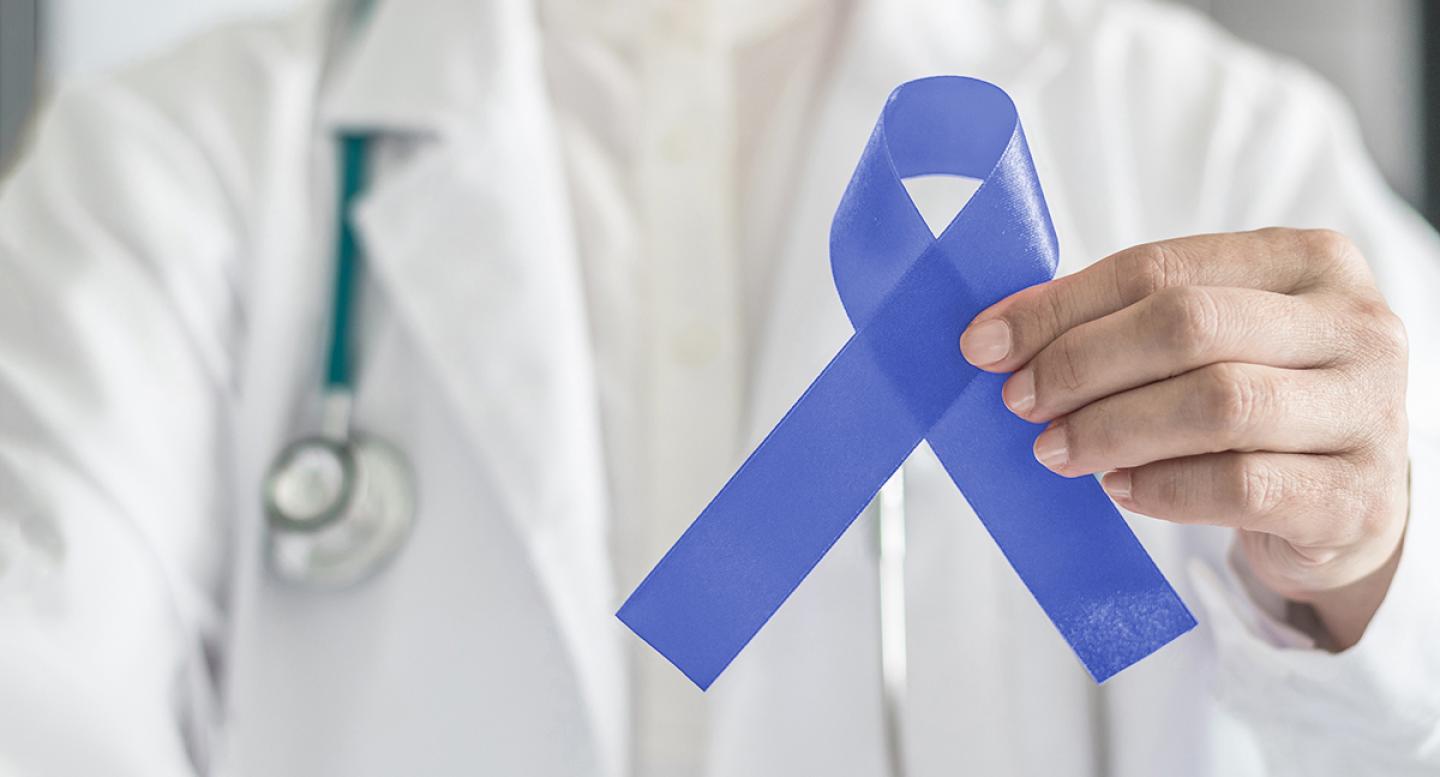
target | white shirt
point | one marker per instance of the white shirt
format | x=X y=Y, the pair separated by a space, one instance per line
x=682 y=125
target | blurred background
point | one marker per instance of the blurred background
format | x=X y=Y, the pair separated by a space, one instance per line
x=1383 y=54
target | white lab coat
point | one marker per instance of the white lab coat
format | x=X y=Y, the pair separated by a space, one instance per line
x=163 y=261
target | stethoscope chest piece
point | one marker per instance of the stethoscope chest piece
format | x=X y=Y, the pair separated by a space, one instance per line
x=337 y=510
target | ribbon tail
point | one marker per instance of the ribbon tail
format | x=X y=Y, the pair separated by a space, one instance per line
x=1063 y=536
x=775 y=518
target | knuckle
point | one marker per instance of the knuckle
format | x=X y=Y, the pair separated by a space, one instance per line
x=1275 y=233
x=1257 y=488
x=1187 y=321
x=1168 y=490
x=1063 y=369
x=1340 y=500
x=1035 y=322
x=1384 y=332
x=1144 y=270
x=1229 y=399
x=1331 y=252
x=1374 y=336
x=1370 y=520
x=1328 y=246
x=1372 y=497
x=1089 y=437
x=1053 y=314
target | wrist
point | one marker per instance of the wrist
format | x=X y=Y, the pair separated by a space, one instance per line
x=1339 y=616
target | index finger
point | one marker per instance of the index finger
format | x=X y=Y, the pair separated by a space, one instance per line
x=1009 y=333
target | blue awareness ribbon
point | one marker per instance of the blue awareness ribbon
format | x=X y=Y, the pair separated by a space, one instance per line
x=898 y=380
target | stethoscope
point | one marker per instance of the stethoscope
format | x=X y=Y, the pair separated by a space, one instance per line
x=339 y=504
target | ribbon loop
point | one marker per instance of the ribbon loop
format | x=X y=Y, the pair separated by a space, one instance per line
x=900 y=379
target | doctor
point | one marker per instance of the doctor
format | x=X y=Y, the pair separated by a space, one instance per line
x=594 y=275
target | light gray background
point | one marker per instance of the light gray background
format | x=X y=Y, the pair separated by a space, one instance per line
x=1370 y=49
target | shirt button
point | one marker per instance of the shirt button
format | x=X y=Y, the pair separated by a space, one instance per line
x=696 y=345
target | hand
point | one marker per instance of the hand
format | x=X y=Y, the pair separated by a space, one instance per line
x=1253 y=380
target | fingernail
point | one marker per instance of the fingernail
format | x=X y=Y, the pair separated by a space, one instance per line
x=1050 y=448
x=986 y=343
x=1117 y=483
x=1019 y=392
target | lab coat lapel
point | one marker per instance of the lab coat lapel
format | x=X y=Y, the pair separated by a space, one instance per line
x=470 y=239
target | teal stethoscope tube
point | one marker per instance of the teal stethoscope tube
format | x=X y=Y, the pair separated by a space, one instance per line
x=354 y=156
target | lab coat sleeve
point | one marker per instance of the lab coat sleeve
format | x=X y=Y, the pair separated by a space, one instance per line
x=117 y=316
x=1375 y=708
